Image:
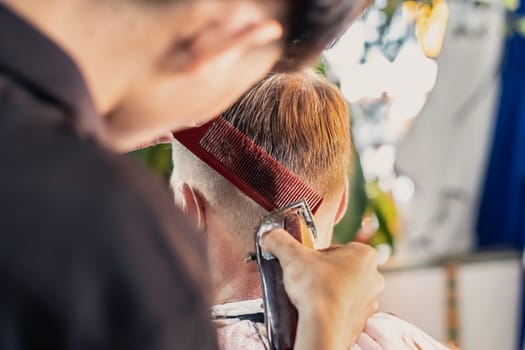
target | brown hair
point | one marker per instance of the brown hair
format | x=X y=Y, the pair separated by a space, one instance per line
x=298 y=118
x=302 y=121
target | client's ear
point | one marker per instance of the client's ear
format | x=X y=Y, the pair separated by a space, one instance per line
x=343 y=204
x=191 y=203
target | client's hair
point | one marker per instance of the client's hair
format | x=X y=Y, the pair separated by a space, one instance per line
x=298 y=118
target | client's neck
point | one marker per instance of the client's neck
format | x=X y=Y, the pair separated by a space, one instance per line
x=233 y=278
x=239 y=287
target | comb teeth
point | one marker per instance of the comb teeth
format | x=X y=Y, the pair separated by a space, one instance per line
x=248 y=166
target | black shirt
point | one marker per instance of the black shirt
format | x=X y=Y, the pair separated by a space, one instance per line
x=93 y=253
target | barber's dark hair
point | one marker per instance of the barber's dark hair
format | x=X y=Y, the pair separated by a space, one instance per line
x=314 y=24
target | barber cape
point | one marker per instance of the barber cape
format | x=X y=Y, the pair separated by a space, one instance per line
x=240 y=326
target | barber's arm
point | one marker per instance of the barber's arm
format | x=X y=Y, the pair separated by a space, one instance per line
x=334 y=290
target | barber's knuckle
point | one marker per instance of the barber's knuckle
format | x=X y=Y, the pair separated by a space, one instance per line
x=360 y=248
x=370 y=254
x=297 y=248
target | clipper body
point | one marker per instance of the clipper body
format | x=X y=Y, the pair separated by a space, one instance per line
x=280 y=314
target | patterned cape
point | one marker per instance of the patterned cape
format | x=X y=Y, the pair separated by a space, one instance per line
x=382 y=332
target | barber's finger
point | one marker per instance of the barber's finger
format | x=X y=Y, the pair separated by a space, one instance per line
x=281 y=244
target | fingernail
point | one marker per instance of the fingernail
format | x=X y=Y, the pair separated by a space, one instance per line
x=262 y=239
x=264 y=250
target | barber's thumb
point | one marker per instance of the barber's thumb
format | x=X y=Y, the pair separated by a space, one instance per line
x=281 y=244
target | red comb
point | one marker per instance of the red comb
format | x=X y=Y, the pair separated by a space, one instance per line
x=247 y=166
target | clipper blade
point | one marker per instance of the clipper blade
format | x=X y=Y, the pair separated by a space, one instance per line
x=296 y=218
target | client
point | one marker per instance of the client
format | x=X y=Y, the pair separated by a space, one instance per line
x=302 y=121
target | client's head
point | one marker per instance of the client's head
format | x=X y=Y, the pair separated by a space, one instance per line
x=302 y=121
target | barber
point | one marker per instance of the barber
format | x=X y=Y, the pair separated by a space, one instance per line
x=93 y=254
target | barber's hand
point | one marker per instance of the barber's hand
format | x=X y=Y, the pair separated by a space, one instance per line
x=334 y=290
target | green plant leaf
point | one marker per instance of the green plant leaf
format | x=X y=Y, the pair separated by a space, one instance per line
x=157 y=158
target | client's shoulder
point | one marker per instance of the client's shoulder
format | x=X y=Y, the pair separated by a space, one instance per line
x=386 y=331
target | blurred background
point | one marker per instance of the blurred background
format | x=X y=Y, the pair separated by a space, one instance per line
x=437 y=95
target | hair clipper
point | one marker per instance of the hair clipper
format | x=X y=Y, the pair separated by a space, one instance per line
x=280 y=314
